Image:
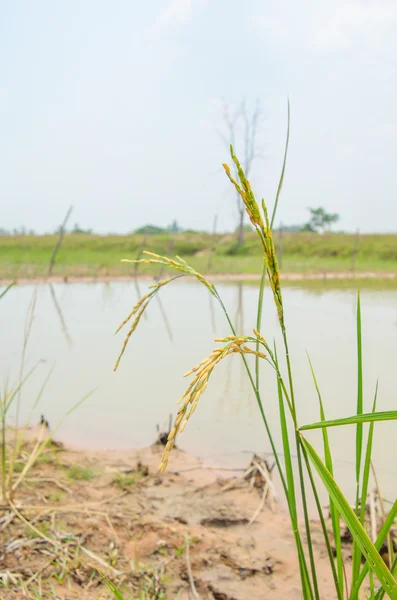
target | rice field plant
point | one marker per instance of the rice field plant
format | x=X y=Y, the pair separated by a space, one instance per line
x=15 y=464
x=370 y=576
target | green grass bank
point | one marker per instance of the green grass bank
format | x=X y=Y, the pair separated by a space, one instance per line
x=99 y=255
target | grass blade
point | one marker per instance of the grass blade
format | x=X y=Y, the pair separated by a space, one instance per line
x=280 y=183
x=42 y=444
x=359 y=431
x=359 y=534
x=9 y=400
x=41 y=392
x=306 y=517
x=290 y=492
x=356 y=558
x=291 y=497
x=384 y=515
x=302 y=483
x=378 y=545
x=372 y=417
x=259 y=320
x=3 y=293
x=115 y=591
x=381 y=592
x=367 y=463
x=324 y=529
x=364 y=489
x=264 y=271
x=334 y=513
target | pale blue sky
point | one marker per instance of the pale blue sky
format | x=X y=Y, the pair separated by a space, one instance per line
x=113 y=107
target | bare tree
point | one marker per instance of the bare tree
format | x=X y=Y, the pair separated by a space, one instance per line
x=242 y=127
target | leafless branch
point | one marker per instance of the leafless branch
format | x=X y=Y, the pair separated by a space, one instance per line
x=242 y=124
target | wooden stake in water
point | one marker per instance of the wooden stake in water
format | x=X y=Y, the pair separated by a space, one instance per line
x=59 y=240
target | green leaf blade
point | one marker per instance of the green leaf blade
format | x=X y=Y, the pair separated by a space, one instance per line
x=334 y=513
x=385 y=415
x=359 y=534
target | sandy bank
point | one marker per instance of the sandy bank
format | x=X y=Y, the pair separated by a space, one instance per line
x=331 y=276
x=112 y=511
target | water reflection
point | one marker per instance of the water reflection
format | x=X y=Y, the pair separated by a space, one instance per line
x=178 y=333
x=62 y=322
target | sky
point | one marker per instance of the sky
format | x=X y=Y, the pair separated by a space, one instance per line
x=117 y=107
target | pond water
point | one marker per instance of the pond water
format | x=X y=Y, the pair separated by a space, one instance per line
x=73 y=329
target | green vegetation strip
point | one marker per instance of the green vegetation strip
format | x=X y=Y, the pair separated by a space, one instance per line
x=83 y=254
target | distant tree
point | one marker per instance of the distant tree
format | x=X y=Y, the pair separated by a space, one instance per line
x=242 y=128
x=150 y=230
x=290 y=228
x=248 y=228
x=78 y=229
x=19 y=230
x=174 y=227
x=308 y=227
x=320 y=220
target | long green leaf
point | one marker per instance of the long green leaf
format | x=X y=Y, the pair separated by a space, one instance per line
x=41 y=392
x=280 y=183
x=306 y=516
x=302 y=483
x=357 y=530
x=334 y=513
x=323 y=527
x=115 y=591
x=385 y=415
x=9 y=401
x=359 y=434
x=291 y=495
x=259 y=319
x=381 y=592
x=391 y=517
x=3 y=293
x=264 y=270
x=364 y=488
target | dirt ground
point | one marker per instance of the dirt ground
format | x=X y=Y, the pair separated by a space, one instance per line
x=113 y=513
x=216 y=277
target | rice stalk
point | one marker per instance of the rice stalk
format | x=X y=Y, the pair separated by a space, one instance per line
x=335 y=518
x=264 y=270
x=202 y=373
x=139 y=308
x=306 y=454
x=263 y=230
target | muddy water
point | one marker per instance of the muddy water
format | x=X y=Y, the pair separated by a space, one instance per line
x=73 y=329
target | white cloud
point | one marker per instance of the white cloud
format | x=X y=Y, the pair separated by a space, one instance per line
x=176 y=13
x=329 y=26
x=358 y=21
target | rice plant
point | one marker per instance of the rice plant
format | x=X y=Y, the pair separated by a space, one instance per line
x=13 y=471
x=368 y=567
